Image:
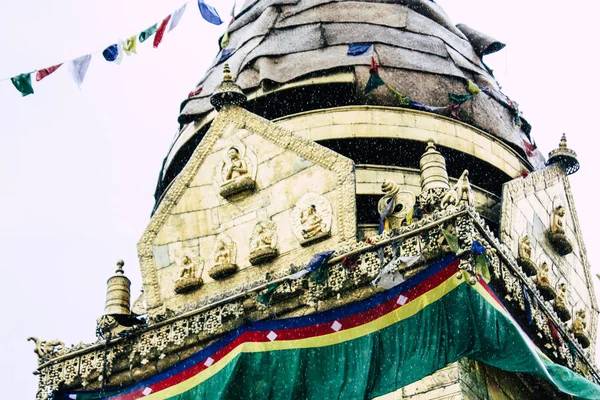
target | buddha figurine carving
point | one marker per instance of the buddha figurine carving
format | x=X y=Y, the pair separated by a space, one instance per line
x=579 y=327
x=223 y=257
x=557 y=234
x=312 y=223
x=543 y=282
x=263 y=244
x=311 y=218
x=235 y=174
x=560 y=303
x=187 y=276
x=524 y=259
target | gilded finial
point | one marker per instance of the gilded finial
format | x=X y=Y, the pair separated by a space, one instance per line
x=227 y=73
x=228 y=92
x=563 y=141
x=564 y=157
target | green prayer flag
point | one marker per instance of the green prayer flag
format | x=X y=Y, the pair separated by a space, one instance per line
x=451 y=239
x=321 y=274
x=144 y=35
x=374 y=82
x=265 y=297
x=23 y=84
x=482 y=267
x=459 y=98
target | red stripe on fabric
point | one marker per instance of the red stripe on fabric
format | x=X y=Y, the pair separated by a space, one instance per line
x=491 y=292
x=303 y=332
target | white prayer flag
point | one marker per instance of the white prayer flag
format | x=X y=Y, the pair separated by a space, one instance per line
x=176 y=17
x=79 y=67
x=390 y=276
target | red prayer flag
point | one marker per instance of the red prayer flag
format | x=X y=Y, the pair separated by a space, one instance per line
x=554 y=332
x=454 y=110
x=374 y=69
x=529 y=148
x=195 y=92
x=42 y=73
x=161 y=31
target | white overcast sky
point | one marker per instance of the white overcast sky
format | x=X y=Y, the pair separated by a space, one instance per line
x=79 y=167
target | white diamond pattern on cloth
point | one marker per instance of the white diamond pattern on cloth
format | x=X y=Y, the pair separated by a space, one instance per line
x=209 y=361
x=402 y=300
x=272 y=336
x=336 y=326
x=147 y=391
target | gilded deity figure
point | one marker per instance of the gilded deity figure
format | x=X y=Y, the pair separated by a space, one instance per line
x=557 y=225
x=237 y=167
x=556 y=234
x=543 y=282
x=560 y=303
x=187 y=279
x=579 y=327
x=263 y=242
x=235 y=172
x=524 y=259
x=312 y=223
x=223 y=259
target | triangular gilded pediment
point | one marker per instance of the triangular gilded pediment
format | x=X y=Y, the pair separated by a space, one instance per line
x=253 y=199
x=540 y=226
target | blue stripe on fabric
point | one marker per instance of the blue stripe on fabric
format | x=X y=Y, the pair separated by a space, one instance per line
x=297 y=322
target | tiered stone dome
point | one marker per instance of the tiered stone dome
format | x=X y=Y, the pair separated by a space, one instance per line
x=290 y=56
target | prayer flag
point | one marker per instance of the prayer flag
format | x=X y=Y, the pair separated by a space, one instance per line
x=130 y=45
x=209 y=13
x=451 y=239
x=225 y=54
x=144 y=35
x=529 y=148
x=472 y=87
x=176 y=17
x=195 y=92
x=232 y=13
x=391 y=276
x=384 y=215
x=454 y=110
x=374 y=67
x=225 y=39
x=161 y=31
x=265 y=297
x=42 y=73
x=79 y=67
x=23 y=84
x=315 y=263
x=402 y=100
x=459 y=98
x=360 y=49
x=111 y=53
x=374 y=82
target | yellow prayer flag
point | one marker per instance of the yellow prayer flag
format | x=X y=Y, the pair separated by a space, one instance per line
x=130 y=45
x=472 y=88
x=225 y=40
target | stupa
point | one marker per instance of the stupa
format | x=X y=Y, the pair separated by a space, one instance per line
x=351 y=209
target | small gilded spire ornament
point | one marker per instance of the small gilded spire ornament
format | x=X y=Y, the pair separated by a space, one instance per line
x=564 y=157
x=228 y=92
x=118 y=293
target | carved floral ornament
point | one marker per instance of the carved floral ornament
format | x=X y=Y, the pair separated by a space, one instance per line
x=311 y=218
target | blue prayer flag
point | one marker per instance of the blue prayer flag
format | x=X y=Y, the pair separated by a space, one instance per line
x=209 y=13
x=319 y=259
x=225 y=54
x=360 y=49
x=111 y=53
x=477 y=248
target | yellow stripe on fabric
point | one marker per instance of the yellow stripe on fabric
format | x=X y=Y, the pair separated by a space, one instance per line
x=384 y=321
